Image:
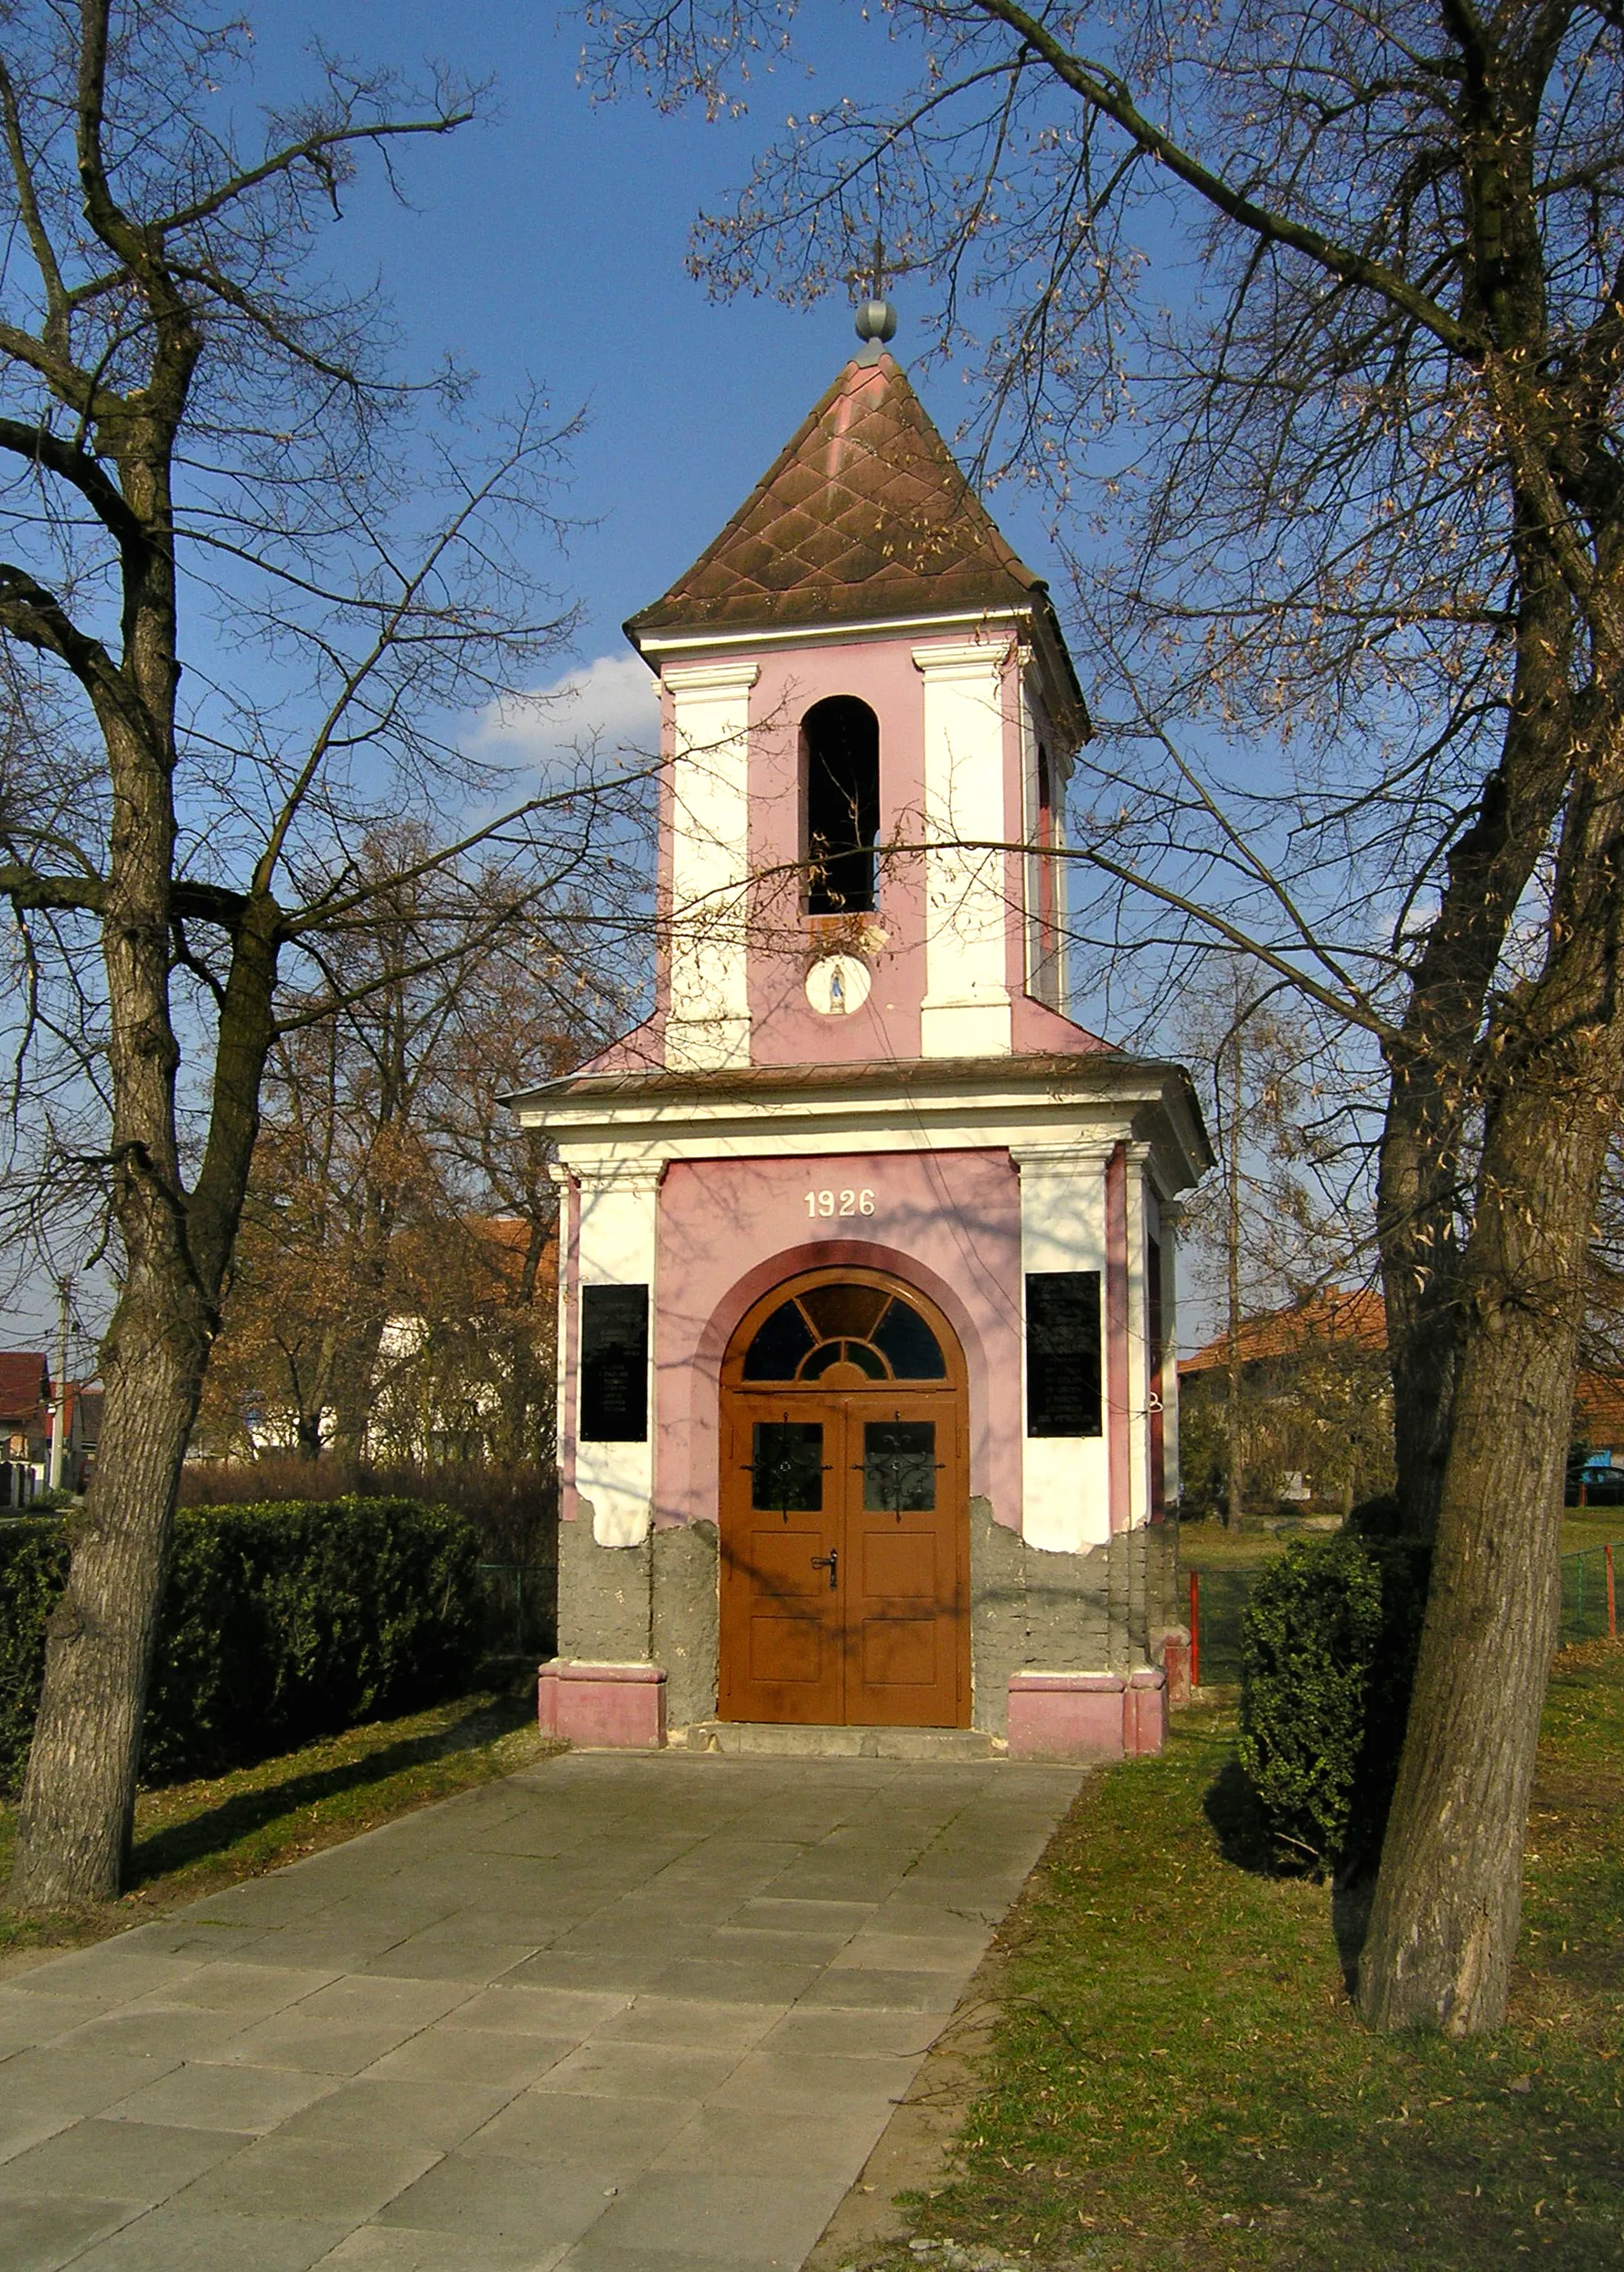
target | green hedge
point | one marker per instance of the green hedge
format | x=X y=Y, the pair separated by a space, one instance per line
x=33 y=1565
x=279 y=1623
x=1330 y=1638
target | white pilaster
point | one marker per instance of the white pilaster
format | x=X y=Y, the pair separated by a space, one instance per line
x=707 y=1021
x=1065 y=1486
x=1139 y=1342
x=965 y=1010
x=619 y=1221
x=1170 y=1214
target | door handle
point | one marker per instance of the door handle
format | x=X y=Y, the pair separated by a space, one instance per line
x=831 y=1562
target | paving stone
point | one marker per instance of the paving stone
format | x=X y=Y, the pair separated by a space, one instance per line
x=585 y=2021
x=822 y=2032
x=336 y=2178
x=785 y=2082
x=714 y=2214
x=118 y=1969
x=754 y=2141
x=541 y=2204
x=474 y=1962
x=171 y=2240
x=81 y=2081
x=382 y=2110
x=622 y=1971
x=251 y=1991
x=401 y=2248
x=156 y=2030
x=620 y=2134
x=958 y=1953
x=604 y=2069
x=858 y=1987
x=703 y=2026
x=514 y=2008
x=722 y=1981
x=138 y=2161
x=367 y=2000
x=42 y=2235
x=248 y=2099
x=472 y=2055
x=28 y=2021
x=311 y=2046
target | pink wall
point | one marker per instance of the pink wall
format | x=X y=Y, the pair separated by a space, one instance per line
x=948 y=1223
x=784 y=1029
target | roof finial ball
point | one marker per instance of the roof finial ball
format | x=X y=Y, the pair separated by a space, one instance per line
x=876 y=320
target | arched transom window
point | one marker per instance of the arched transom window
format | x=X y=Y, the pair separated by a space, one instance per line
x=846 y=1333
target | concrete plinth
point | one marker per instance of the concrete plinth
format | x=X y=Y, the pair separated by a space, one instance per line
x=603 y=1706
x=1080 y=1716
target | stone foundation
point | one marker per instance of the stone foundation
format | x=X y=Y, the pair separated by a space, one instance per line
x=1065 y=1649
x=1106 y=1610
x=602 y=1706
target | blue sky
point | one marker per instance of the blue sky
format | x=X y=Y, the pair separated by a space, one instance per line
x=549 y=246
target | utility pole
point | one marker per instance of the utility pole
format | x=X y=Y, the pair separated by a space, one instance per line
x=59 y=1385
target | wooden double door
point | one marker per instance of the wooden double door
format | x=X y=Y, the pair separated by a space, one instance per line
x=845 y=1524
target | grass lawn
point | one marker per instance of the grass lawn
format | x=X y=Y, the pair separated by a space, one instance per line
x=1178 y=2079
x=1207 y=1545
x=193 y=1837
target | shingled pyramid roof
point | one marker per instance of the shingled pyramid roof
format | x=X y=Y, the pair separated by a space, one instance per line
x=864 y=515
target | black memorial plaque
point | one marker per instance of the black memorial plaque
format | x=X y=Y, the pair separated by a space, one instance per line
x=1062 y=1352
x=614 y=1364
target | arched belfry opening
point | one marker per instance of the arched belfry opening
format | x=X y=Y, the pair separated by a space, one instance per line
x=841 y=768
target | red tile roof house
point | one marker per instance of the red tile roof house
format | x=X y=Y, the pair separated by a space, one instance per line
x=24 y=1425
x=1349 y=1325
x=866 y=1296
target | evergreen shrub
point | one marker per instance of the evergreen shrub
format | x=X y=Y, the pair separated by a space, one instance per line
x=1329 y=1644
x=280 y=1624
x=33 y=1566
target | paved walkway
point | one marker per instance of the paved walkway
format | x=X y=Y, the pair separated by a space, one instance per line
x=614 y=2014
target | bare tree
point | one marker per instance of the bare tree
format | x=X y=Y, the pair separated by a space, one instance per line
x=389 y=1185
x=1321 y=308
x=205 y=439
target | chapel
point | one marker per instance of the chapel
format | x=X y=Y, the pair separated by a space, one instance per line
x=867 y=1365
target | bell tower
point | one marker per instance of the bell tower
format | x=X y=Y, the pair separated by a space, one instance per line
x=872 y=716
x=867 y=1351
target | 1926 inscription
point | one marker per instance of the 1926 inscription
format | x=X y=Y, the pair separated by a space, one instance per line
x=845 y=1201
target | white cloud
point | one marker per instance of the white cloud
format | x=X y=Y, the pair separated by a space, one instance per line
x=608 y=709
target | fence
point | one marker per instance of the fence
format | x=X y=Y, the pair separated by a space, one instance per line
x=1589 y=1596
x=1218 y=1600
x=520 y=1608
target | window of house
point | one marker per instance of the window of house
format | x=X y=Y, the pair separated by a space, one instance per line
x=614 y=1364
x=1063 y=1355
x=841 y=739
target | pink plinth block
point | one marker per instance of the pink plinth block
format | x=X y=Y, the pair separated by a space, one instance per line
x=1144 y=1712
x=619 y=1708
x=1066 y=1715
x=1078 y=1716
x=1175 y=1662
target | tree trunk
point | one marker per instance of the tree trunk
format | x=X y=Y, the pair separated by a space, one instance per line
x=1444 y=1925
x=1232 y=1505
x=79 y=1796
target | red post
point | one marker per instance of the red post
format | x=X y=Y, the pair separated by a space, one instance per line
x=1612 y=1600
x=1196 y=1626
